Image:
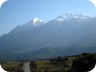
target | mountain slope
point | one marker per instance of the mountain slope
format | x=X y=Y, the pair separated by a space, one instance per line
x=60 y=36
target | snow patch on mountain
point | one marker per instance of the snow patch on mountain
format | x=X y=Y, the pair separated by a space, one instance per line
x=60 y=18
x=37 y=21
x=70 y=15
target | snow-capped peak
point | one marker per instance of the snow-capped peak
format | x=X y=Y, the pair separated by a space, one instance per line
x=60 y=18
x=70 y=15
x=66 y=16
x=37 y=21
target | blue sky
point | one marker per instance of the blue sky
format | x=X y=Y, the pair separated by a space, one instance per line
x=17 y=12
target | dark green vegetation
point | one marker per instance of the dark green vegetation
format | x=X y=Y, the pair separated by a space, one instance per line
x=12 y=67
x=60 y=64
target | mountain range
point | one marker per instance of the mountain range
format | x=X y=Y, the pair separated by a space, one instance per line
x=67 y=34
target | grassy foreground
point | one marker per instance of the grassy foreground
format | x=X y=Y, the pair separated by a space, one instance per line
x=60 y=64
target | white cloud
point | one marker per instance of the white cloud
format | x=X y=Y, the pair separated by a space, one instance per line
x=93 y=2
x=2 y=1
